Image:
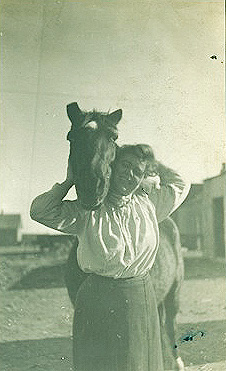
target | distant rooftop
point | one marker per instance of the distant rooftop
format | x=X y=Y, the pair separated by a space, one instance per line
x=195 y=190
x=8 y=221
x=223 y=171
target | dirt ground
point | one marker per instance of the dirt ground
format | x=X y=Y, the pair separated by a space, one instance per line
x=36 y=316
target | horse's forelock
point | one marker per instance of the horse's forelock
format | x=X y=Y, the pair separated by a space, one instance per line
x=98 y=121
x=102 y=120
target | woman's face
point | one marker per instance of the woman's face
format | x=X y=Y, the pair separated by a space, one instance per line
x=127 y=174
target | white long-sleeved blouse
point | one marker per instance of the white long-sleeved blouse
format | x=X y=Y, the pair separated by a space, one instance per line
x=118 y=242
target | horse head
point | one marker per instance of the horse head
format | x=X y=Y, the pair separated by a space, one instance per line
x=92 y=149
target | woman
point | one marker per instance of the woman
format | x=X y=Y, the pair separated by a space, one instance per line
x=116 y=325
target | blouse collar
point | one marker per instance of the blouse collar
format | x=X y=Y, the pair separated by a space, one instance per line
x=118 y=201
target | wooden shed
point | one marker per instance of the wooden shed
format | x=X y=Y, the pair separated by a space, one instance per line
x=10 y=229
x=214 y=215
x=189 y=218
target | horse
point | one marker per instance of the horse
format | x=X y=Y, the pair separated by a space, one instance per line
x=167 y=276
x=92 y=150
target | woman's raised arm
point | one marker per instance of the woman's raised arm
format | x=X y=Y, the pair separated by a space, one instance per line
x=168 y=193
x=50 y=210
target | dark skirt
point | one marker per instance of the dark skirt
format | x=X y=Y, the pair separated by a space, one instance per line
x=116 y=326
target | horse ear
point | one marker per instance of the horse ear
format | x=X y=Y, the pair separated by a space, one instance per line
x=74 y=113
x=115 y=116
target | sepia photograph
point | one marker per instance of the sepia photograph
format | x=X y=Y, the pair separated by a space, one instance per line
x=113 y=185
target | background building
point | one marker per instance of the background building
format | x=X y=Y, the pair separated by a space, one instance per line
x=214 y=215
x=201 y=218
x=10 y=229
x=189 y=218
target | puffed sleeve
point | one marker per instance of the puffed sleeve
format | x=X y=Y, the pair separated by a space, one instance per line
x=50 y=210
x=167 y=199
x=168 y=195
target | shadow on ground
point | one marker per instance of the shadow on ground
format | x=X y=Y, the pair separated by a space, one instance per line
x=45 y=277
x=201 y=268
x=202 y=349
x=55 y=354
x=53 y=276
x=43 y=355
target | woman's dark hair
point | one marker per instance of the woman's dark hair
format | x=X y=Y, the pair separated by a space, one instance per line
x=143 y=152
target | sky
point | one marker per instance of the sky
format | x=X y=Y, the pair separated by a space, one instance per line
x=150 y=58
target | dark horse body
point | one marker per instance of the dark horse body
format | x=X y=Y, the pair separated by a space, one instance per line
x=92 y=149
